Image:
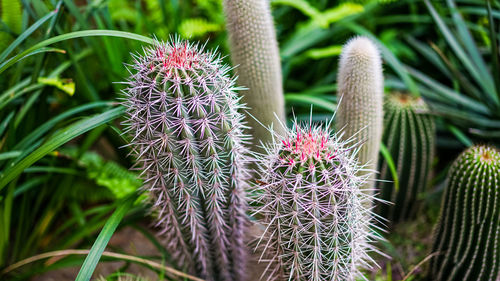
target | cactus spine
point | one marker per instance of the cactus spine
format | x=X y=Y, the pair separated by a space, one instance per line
x=410 y=136
x=312 y=207
x=467 y=236
x=254 y=49
x=360 y=112
x=188 y=137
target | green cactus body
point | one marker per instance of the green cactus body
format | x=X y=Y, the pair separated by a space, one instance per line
x=188 y=137
x=360 y=111
x=410 y=136
x=254 y=49
x=467 y=236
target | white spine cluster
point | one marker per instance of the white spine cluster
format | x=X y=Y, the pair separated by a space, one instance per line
x=188 y=137
x=312 y=208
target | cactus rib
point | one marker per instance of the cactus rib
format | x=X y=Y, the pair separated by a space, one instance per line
x=467 y=236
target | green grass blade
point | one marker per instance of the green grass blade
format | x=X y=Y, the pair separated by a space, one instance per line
x=430 y=54
x=483 y=82
x=29 y=184
x=58 y=139
x=494 y=49
x=390 y=163
x=72 y=35
x=469 y=44
x=301 y=5
x=35 y=135
x=310 y=100
x=460 y=136
x=10 y=62
x=448 y=93
x=6 y=99
x=102 y=240
x=9 y=154
x=5 y=122
x=25 y=35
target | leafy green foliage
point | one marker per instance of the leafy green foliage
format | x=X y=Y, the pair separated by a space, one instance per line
x=468 y=97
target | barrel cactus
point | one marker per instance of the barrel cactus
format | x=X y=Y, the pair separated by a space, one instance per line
x=312 y=208
x=410 y=137
x=467 y=237
x=360 y=111
x=254 y=49
x=188 y=136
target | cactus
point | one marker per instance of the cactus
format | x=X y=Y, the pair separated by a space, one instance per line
x=467 y=237
x=312 y=208
x=188 y=137
x=360 y=112
x=254 y=49
x=410 y=136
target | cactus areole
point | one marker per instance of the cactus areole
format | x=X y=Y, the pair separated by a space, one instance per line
x=312 y=207
x=188 y=137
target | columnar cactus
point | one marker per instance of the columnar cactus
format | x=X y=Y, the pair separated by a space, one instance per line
x=467 y=237
x=312 y=208
x=410 y=137
x=187 y=134
x=254 y=49
x=360 y=88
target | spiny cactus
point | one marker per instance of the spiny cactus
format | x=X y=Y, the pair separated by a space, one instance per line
x=312 y=208
x=410 y=137
x=188 y=137
x=361 y=87
x=254 y=49
x=467 y=237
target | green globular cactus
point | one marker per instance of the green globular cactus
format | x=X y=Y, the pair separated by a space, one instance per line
x=188 y=137
x=467 y=236
x=312 y=208
x=254 y=49
x=360 y=111
x=410 y=137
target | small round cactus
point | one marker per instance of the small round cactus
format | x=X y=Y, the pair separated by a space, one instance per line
x=410 y=137
x=312 y=207
x=188 y=136
x=360 y=111
x=254 y=49
x=467 y=237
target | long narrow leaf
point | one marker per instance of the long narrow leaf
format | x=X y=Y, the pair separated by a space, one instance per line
x=310 y=100
x=45 y=127
x=25 y=35
x=483 y=82
x=494 y=49
x=469 y=44
x=10 y=62
x=448 y=93
x=390 y=163
x=102 y=240
x=58 y=139
x=73 y=35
